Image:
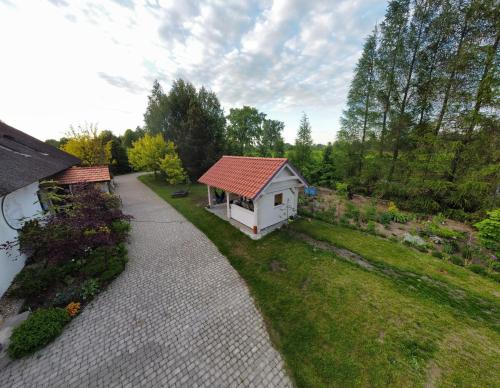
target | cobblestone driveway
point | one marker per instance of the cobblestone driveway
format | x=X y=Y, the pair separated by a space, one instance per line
x=179 y=315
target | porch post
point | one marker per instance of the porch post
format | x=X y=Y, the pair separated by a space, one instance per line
x=209 y=196
x=228 y=194
x=256 y=227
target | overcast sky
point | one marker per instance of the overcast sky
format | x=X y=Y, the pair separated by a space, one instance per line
x=67 y=62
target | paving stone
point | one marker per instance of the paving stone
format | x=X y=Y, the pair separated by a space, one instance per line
x=179 y=315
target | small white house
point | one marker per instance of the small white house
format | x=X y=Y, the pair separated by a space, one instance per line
x=260 y=194
x=24 y=161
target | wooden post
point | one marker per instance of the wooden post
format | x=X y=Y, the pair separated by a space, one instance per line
x=209 y=196
x=256 y=216
x=228 y=194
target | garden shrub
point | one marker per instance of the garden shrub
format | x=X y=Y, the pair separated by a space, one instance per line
x=433 y=229
x=370 y=213
x=82 y=224
x=32 y=281
x=342 y=189
x=352 y=212
x=116 y=265
x=328 y=215
x=95 y=263
x=439 y=218
x=121 y=227
x=457 y=260
x=467 y=252
x=450 y=247
x=90 y=289
x=370 y=227
x=495 y=266
x=67 y=295
x=495 y=276
x=489 y=230
x=385 y=218
x=479 y=269
x=437 y=254
x=344 y=221
x=396 y=215
x=38 y=330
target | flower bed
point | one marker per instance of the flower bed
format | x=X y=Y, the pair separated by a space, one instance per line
x=74 y=253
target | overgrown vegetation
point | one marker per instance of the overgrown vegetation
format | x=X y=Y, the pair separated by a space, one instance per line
x=420 y=232
x=338 y=324
x=73 y=254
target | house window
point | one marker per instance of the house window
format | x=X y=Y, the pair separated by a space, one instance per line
x=278 y=199
x=44 y=201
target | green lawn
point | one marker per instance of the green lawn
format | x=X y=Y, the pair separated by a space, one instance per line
x=339 y=325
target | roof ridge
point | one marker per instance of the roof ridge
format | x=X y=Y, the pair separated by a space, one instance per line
x=253 y=157
x=97 y=166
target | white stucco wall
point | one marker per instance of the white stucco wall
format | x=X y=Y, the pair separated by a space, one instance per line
x=270 y=214
x=287 y=183
x=18 y=206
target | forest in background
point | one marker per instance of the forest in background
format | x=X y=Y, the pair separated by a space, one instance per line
x=420 y=127
x=421 y=124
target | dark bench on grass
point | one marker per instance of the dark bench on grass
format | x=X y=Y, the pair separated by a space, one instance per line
x=179 y=194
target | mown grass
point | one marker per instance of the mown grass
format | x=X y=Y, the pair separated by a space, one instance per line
x=339 y=325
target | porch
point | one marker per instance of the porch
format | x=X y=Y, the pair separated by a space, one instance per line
x=220 y=211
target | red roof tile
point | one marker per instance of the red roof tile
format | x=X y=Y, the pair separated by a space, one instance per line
x=242 y=175
x=75 y=175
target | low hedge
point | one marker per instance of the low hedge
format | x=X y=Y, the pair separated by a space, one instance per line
x=37 y=331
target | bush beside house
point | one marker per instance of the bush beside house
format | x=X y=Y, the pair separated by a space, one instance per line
x=74 y=253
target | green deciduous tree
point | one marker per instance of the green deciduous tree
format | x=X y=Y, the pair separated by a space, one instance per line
x=119 y=159
x=243 y=130
x=489 y=230
x=146 y=153
x=171 y=165
x=86 y=144
x=129 y=136
x=193 y=119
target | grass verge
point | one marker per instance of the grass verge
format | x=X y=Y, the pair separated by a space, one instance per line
x=339 y=325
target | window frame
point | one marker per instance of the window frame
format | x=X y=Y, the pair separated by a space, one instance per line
x=281 y=199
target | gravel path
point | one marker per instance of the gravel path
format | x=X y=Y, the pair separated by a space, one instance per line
x=179 y=315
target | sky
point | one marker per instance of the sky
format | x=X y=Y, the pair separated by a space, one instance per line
x=69 y=62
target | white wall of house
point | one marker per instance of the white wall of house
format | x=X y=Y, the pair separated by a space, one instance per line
x=286 y=183
x=270 y=214
x=18 y=206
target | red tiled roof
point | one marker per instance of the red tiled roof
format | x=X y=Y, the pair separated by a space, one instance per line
x=242 y=175
x=75 y=175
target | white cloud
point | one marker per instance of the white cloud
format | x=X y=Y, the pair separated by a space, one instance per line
x=69 y=62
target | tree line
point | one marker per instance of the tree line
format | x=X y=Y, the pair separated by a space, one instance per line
x=421 y=123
